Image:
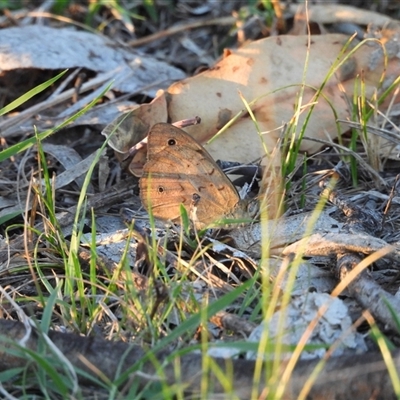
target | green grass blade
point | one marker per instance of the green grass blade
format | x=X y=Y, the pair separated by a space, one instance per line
x=26 y=144
x=33 y=92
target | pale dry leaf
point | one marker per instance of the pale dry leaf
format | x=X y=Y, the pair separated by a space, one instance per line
x=340 y=13
x=104 y=172
x=43 y=47
x=271 y=70
x=134 y=124
x=13 y=207
x=72 y=162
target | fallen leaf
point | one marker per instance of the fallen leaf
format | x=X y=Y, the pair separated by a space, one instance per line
x=43 y=47
x=271 y=74
x=340 y=13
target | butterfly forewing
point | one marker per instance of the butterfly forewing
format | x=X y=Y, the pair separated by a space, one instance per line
x=179 y=170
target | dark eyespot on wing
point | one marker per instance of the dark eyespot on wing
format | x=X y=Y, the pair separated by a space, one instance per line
x=171 y=142
x=196 y=198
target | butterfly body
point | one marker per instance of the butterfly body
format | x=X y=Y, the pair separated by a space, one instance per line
x=180 y=171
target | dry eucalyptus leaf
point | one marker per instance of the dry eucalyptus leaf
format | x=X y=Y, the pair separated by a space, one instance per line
x=43 y=47
x=340 y=13
x=269 y=74
x=74 y=166
x=104 y=172
x=142 y=118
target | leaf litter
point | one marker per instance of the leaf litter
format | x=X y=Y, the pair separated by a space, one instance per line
x=229 y=274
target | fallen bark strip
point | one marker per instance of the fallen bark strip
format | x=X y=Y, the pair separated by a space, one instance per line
x=369 y=294
x=279 y=233
x=356 y=376
x=332 y=244
x=358 y=238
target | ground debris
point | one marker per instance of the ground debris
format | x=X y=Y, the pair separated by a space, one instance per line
x=346 y=377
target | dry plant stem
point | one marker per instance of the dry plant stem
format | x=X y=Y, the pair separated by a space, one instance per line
x=383 y=133
x=30 y=112
x=346 y=151
x=104 y=264
x=367 y=292
x=68 y=21
x=356 y=376
x=187 y=122
x=393 y=193
x=180 y=28
x=64 y=83
x=198 y=269
x=121 y=191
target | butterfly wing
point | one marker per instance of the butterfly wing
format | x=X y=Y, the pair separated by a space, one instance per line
x=179 y=170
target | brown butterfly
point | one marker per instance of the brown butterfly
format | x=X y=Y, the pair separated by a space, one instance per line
x=180 y=171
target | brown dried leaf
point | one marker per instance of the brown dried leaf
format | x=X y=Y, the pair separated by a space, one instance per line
x=271 y=70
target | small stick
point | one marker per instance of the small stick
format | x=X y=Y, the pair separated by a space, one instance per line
x=389 y=202
x=187 y=122
x=223 y=21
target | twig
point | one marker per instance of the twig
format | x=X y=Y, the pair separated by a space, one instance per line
x=180 y=28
